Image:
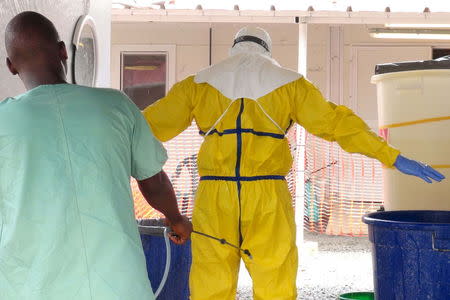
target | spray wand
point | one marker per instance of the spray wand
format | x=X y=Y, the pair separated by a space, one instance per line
x=224 y=242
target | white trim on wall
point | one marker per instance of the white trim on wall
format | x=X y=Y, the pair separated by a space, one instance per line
x=335 y=64
x=300 y=186
x=116 y=54
x=353 y=88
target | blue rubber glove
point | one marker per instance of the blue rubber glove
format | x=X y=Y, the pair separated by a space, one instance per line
x=412 y=167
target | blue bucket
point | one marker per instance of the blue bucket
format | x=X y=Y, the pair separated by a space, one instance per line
x=410 y=254
x=177 y=284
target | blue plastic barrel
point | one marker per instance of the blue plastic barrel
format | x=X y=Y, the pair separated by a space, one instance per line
x=177 y=284
x=411 y=254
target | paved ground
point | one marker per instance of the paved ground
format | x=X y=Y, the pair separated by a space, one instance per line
x=329 y=266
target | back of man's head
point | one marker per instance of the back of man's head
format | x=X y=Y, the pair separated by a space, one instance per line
x=32 y=43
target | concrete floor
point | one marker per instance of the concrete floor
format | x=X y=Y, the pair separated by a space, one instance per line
x=329 y=266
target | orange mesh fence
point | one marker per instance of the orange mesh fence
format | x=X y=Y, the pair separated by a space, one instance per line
x=339 y=188
x=181 y=167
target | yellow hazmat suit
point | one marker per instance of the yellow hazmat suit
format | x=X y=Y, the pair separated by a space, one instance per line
x=243 y=196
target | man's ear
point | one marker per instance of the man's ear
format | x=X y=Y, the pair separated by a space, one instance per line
x=11 y=67
x=62 y=51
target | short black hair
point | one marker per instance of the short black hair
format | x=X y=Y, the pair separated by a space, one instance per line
x=27 y=33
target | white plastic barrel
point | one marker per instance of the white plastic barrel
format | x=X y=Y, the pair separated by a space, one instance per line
x=414 y=116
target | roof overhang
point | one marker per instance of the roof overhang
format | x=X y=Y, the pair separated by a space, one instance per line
x=274 y=16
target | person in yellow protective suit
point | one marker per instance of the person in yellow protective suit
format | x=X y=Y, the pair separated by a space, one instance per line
x=244 y=106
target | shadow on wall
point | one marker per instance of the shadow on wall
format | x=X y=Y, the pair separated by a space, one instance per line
x=63 y=13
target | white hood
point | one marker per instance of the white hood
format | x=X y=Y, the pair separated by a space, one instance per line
x=246 y=75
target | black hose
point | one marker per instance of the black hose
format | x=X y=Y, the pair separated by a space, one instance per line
x=225 y=242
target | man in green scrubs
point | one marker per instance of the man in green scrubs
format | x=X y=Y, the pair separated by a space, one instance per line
x=67 y=227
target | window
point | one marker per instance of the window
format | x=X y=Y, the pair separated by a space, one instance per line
x=144 y=76
x=144 y=72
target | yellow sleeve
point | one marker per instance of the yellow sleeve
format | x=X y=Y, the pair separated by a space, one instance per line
x=337 y=123
x=171 y=115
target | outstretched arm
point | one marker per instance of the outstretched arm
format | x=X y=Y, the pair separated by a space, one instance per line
x=338 y=123
x=159 y=193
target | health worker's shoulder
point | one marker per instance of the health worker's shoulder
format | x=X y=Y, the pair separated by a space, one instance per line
x=7 y=101
x=10 y=101
x=300 y=87
x=187 y=85
x=108 y=94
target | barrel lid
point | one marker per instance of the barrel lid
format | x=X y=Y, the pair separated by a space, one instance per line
x=409 y=219
x=153 y=227
x=439 y=63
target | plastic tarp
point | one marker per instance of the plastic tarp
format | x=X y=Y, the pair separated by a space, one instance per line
x=439 y=63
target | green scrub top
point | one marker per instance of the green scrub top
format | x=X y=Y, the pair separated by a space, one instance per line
x=67 y=226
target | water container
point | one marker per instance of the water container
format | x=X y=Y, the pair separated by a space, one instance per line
x=357 y=296
x=414 y=116
x=410 y=254
x=177 y=284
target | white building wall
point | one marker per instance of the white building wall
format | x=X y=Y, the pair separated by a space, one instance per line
x=192 y=42
x=358 y=92
x=64 y=14
x=100 y=10
x=318 y=44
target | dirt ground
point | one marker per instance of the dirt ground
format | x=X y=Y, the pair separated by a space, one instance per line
x=329 y=266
